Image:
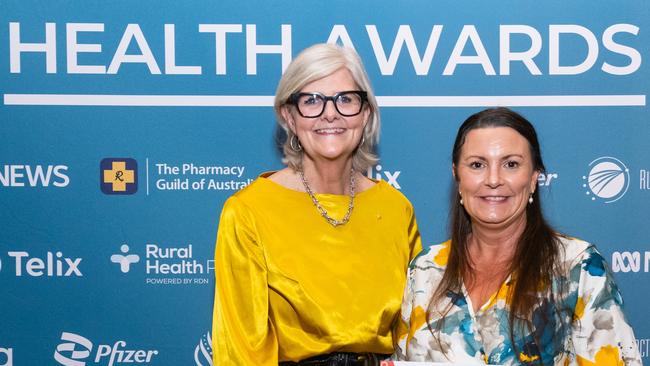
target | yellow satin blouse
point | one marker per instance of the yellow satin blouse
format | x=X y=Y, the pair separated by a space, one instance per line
x=290 y=286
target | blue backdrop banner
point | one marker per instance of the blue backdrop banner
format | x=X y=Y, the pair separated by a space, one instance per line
x=175 y=100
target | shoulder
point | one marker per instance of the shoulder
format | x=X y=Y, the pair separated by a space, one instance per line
x=260 y=187
x=286 y=178
x=592 y=274
x=246 y=199
x=574 y=250
x=389 y=194
x=432 y=258
x=425 y=273
x=583 y=256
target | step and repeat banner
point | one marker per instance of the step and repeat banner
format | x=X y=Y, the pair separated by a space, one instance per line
x=125 y=125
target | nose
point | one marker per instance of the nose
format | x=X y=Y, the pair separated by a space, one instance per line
x=493 y=179
x=330 y=113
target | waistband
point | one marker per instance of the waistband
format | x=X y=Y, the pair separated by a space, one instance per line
x=340 y=359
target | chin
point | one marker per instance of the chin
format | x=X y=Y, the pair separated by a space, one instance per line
x=497 y=221
x=490 y=222
x=335 y=153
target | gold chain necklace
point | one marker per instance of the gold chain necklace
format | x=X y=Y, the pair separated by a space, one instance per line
x=334 y=222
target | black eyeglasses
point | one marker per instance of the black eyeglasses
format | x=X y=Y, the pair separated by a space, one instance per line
x=311 y=105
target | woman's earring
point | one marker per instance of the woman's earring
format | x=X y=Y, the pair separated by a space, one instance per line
x=530 y=199
x=295 y=143
x=461 y=198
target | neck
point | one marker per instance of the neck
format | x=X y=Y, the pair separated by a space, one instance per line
x=329 y=176
x=495 y=245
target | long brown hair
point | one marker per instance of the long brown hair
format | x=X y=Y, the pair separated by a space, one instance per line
x=534 y=263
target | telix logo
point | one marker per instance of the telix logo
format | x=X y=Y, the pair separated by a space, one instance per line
x=118 y=176
x=53 y=265
x=203 y=351
x=608 y=179
x=76 y=350
x=125 y=260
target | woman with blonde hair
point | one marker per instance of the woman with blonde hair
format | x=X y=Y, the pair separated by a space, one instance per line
x=311 y=260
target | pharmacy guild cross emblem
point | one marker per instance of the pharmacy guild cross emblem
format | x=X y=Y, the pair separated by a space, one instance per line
x=119 y=176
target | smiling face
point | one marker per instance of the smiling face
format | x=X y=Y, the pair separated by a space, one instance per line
x=495 y=176
x=330 y=136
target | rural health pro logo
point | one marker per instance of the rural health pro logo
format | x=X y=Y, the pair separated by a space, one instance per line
x=608 y=179
x=118 y=176
x=125 y=260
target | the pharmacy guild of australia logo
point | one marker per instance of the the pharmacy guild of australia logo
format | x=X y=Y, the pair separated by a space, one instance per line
x=118 y=175
x=607 y=180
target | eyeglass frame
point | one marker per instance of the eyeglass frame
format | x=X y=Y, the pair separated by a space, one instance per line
x=293 y=100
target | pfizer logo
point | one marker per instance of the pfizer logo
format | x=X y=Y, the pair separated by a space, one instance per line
x=608 y=179
x=73 y=350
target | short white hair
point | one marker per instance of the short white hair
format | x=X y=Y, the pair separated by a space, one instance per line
x=314 y=63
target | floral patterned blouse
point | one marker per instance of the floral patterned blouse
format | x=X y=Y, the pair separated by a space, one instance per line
x=596 y=332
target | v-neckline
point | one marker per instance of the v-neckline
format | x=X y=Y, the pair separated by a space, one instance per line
x=492 y=299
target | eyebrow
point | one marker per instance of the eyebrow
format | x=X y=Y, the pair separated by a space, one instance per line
x=509 y=156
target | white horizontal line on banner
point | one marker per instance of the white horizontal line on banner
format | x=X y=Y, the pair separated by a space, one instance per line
x=267 y=101
x=140 y=100
x=513 y=101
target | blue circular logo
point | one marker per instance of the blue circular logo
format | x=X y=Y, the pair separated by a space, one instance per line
x=608 y=179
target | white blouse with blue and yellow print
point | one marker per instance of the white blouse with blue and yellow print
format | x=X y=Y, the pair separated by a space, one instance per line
x=595 y=331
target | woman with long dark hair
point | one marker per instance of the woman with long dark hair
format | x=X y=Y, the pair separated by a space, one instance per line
x=506 y=288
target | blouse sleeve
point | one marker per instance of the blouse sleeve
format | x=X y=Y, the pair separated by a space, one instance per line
x=403 y=326
x=242 y=332
x=600 y=332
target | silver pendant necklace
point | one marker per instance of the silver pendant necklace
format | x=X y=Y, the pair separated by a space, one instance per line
x=334 y=222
